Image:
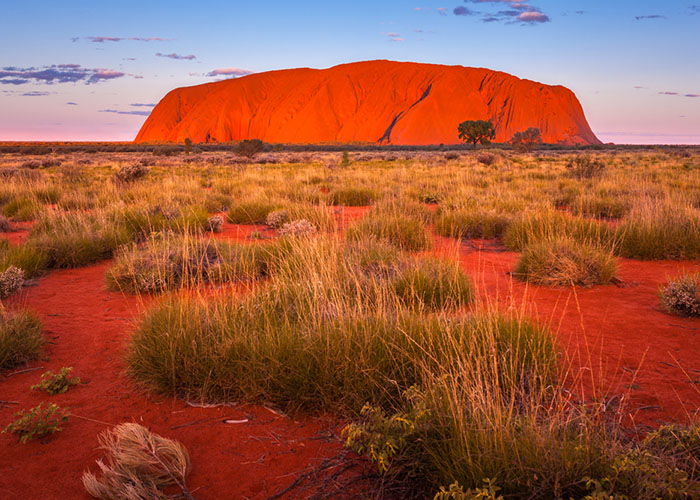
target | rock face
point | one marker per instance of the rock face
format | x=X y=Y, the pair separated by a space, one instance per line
x=374 y=101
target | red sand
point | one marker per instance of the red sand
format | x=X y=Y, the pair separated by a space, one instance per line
x=618 y=339
x=610 y=332
x=87 y=327
x=371 y=101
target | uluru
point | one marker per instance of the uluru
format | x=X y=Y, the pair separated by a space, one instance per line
x=380 y=101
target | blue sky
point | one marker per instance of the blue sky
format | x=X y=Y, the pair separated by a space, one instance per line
x=78 y=70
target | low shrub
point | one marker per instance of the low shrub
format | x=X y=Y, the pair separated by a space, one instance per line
x=38 y=422
x=277 y=218
x=585 y=167
x=486 y=158
x=127 y=174
x=681 y=295
x=5 y=225
x=215 y=224
x=56 y=383
x=301 y=228
x=564 y=262
x=20 y=338
x=21 y=209
x=11 y=281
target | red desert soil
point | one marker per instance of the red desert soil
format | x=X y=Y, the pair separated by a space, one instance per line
x=88 y=327
x=609 y=333
x=618 y=340
x=371 y=101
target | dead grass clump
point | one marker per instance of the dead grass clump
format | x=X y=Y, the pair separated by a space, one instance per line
x=352 y=196
x=139 y=465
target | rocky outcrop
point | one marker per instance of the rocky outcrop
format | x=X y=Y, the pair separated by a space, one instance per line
x=374 y=101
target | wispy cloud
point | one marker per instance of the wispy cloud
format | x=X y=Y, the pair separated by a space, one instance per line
x=668 y=93
x=232 y=72
x=142 y=105
x=189 y=57
x=56 y=73
x=71 y=103
x=394 y=37
x=35 y=93
x=691 y=95
x=694 y=9
x=103 y=39
x=130 y=112
x=649 y=17
x=463 y=11
x=516 y=12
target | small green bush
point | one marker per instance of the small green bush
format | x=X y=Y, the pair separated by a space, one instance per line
x=11 y=280
x=56 y=383
x=38 y=422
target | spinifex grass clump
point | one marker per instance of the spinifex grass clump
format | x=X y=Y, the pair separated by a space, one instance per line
x=537 y=226
x=681 y=295
x=56 y=383
x=471 y=223
x=73 y=240
x=25 y=257
x=352 y=196
x=657 y=230
x=252 y=211
x=436 y=284
x=139 y=465
x=562 y=261
x=20 y=338
x=329 y=329
x=399 y=222
x=166 y=261
x=38 y=422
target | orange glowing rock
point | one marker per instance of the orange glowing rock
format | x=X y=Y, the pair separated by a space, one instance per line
x=373 y=101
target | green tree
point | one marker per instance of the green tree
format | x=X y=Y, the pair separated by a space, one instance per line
x=476 y=131
x=188 y=145
x=527 y=140
x=250 y=147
